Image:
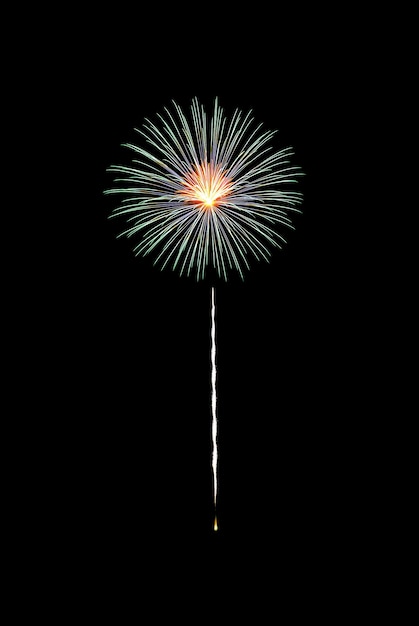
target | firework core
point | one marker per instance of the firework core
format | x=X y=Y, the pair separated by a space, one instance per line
x=206 y=186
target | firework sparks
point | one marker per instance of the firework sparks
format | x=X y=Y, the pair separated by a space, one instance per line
x=206 y=193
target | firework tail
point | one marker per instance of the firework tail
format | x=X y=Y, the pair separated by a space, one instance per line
x=214 y=406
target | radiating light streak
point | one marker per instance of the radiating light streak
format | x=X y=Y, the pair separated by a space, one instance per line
x=214 y=406
x=206 y=192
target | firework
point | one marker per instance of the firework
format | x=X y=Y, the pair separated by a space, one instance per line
x=206 y=192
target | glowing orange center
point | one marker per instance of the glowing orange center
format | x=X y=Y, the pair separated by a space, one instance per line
x=206 y=186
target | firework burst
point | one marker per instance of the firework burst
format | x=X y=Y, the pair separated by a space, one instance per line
x=206 y=192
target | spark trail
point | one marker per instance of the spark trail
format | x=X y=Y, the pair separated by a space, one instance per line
x=214 y=406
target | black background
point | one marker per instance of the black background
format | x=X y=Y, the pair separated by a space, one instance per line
x=123 y=486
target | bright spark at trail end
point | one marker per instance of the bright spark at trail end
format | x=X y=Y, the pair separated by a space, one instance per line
x=215 y=523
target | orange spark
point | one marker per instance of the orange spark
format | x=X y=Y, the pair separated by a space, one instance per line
x=206 y=186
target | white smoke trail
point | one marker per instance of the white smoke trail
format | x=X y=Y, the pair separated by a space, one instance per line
x=214 y=403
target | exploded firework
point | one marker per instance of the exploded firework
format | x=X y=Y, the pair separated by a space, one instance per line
x=206 y=192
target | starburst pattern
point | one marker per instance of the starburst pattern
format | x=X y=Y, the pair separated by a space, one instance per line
x=206 y=192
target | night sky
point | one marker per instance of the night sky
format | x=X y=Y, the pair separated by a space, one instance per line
x=129 y=345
